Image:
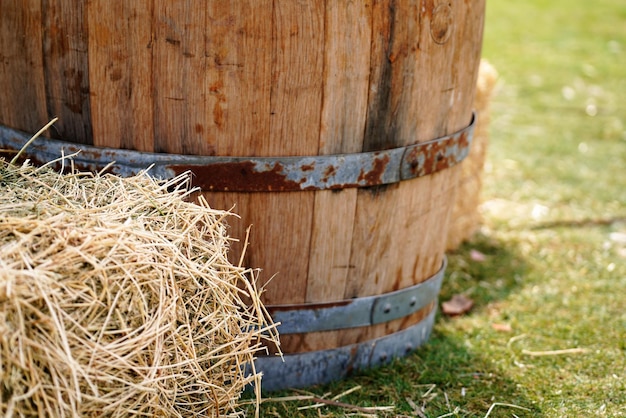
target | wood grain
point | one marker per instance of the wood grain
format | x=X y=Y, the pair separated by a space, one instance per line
x=346 y=77
x=120 y=73
x=179 y=73
x=295 y=107
x=383 y=222
x=66 y=65
x=239 y=39
x=416 y=84
x=23 y=100
x=238 y=45
x=287 y=89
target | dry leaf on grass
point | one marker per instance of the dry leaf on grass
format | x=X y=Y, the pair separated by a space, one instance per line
x=477 y=256
x=458 y=305
x=502 y=327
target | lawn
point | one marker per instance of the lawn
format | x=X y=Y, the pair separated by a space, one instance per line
x=547 y=334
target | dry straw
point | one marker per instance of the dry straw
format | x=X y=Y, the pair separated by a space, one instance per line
x=117 y=299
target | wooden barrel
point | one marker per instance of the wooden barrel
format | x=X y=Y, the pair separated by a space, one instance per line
x=364 y=86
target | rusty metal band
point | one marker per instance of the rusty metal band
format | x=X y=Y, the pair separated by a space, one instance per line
x=357 y=312
x=323 y=366
x=261 y=174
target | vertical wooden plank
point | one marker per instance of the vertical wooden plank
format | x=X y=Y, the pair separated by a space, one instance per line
x=384 y=219
x=65 y=58
x=120 y=73
x=280 y=241
x=469 y=28
x=180 y=86
x=429 y=106
x=23 y=100
x=295 y=109
x=297 y=65
x=238 y=46
x=378 y=132
x=412 y=93
x=265 y=100
x=346 y=76
x=437 y=43
x=448 y=44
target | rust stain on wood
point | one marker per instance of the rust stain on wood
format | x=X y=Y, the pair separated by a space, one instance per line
x=238 y=176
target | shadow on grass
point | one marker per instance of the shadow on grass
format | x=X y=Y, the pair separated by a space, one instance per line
x=447 y=376
x=486 y=269
x=443 y=378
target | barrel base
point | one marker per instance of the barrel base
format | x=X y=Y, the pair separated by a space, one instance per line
x=324 y=366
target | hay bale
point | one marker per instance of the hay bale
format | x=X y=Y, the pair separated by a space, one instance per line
x=465 y=218
x=117 y=299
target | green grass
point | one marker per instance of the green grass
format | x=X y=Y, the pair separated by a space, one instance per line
x=555 y=192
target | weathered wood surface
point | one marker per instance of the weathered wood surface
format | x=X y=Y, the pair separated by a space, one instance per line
x=22 y=86
x=266 y=78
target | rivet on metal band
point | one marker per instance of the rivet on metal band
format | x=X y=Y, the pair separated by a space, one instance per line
x=358 y=312
x=262 y=174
